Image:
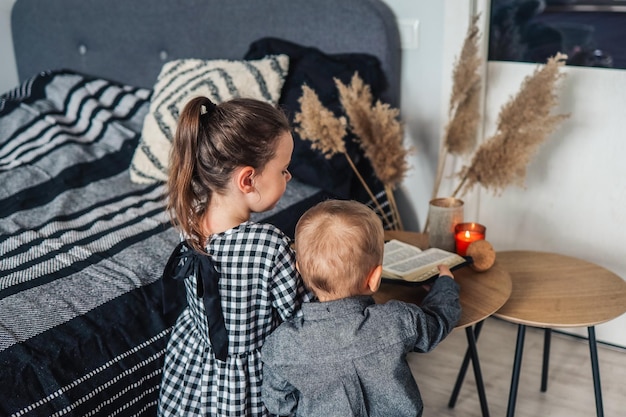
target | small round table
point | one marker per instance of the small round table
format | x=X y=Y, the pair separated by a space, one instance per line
x=552 y=290
x=481 y=295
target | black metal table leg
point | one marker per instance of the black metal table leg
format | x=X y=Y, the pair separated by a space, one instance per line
x=595 y=369
x=480 y=386
x=546 y=359
x=463 y=370
x=517 y=364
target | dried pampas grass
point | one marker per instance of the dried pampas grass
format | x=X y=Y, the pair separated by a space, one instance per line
x=376 y=127
x=460 y=133
x=380 y=134
x=378 y=130
x=319 y=125
x=523 y=124
x=464 y=112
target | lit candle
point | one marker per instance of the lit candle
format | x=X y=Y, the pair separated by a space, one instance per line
x=466 y=233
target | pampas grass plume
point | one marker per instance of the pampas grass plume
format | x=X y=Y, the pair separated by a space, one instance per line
x=376 y=127
x=378 y=131
x=461 y=131
x=523 y=124
x=319 y=125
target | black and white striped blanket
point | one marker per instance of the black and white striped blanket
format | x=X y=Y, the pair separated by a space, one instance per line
x=82 y=249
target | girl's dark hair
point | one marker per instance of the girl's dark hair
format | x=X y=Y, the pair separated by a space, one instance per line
x=211 y=141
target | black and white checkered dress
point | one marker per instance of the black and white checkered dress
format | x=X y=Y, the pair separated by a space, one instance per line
x=259 y=287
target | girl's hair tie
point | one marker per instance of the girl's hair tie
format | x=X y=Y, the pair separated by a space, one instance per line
x=207 y=108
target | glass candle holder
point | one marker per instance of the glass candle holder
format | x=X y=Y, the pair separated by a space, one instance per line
x=466 y=233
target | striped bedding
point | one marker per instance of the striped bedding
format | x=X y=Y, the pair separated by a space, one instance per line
x=82 y=249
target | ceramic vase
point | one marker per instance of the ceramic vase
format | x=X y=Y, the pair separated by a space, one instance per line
x=443 y=215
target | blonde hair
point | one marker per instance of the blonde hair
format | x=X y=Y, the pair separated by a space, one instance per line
x=338 y=243
x=211 y=141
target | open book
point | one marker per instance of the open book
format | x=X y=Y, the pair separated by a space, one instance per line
x=404 y=262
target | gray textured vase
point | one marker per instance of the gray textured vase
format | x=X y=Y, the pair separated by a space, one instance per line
x=443 y=215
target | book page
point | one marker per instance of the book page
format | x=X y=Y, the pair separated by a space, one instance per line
x=406 y=262
x=396 y=251
x=426 y=258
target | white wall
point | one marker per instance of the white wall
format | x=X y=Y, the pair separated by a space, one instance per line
x=421 y=104
x=576 y=185
x=575 y=189
x=575 y=193
x=426 y=85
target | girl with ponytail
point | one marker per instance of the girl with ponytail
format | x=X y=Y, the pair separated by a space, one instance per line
x=227 y=161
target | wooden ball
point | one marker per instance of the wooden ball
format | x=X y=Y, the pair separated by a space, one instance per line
x=483 y=255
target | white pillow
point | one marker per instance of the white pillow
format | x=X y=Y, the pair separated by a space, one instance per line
x=181 y=80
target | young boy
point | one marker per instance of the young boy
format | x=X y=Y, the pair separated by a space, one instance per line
x=346 y=355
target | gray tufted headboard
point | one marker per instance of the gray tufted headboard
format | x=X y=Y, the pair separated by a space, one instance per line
x=129 y=40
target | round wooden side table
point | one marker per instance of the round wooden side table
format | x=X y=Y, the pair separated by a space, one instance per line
x=481 y=295
x=552 y=290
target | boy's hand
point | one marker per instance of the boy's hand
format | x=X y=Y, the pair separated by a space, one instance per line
x=444 y=270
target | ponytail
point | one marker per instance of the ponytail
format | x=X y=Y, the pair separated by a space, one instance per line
x=182 y=197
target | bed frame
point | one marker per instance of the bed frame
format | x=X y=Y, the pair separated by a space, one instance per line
x=86 y=335
x=128 y=41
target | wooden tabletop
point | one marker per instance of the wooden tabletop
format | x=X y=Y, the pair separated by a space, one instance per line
x=482 y=293
x=552 y=290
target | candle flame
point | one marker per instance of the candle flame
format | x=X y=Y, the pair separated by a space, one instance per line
x=467 y=234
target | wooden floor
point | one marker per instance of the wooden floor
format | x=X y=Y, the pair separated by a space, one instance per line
x=570 y=385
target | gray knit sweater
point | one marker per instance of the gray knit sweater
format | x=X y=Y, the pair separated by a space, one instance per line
x=348 y=357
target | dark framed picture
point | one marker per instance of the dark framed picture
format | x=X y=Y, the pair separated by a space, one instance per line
x=591 y=33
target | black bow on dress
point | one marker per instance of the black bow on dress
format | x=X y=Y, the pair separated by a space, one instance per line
x=183 y=262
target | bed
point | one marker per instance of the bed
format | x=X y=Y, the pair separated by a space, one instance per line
x=83 y=233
